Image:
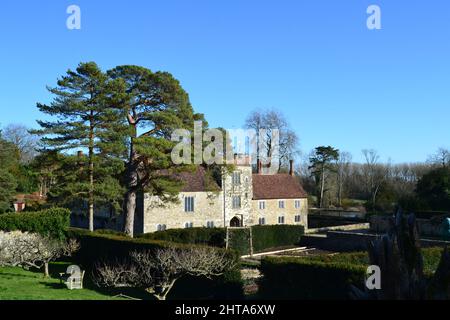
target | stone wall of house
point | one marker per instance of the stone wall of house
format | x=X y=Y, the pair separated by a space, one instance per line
x=272 y=212
x=244 y=190
x=217 y=207
x=207 y=208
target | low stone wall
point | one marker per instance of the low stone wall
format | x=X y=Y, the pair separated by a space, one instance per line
x=358 y=226
x=342 y=241
x=427 y=227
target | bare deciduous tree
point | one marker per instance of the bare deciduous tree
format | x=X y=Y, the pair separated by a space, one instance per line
x=343 y=171
x=157 y=272
x=374 y=173
x=441 y=157
x=26 y=143
x=268 y=121
x=29 y=250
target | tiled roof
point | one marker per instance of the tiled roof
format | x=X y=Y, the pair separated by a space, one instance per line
x=277 y=186
x=197 y=181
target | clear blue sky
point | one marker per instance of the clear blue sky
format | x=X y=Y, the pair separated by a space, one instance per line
x=337 y=82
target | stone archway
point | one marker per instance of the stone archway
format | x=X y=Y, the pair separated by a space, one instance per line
x=235 y=222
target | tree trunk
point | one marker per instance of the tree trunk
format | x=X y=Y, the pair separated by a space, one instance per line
x=130 y=212
x=91 y=174
x=322 y=187
x=132 y=185
x=46 y=273
x=163 y=295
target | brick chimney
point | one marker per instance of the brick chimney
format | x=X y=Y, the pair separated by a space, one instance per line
x=259 y=166
x=291 y=167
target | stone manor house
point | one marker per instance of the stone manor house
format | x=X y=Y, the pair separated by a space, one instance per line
x=243 y=199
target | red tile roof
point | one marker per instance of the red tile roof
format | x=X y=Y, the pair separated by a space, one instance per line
x=277 y=186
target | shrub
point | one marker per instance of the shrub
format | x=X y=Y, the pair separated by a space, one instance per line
x=100 y=247
x=239 y=240
x=299 y=278
x=323 y=276
x=264 y=237
x=209 y=236
x=52 y=222
x=431 y=258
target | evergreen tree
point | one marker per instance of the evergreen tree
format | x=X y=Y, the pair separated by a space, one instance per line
x=86 y=119
x=156 y=105
x=322 y=161
x=9 y=159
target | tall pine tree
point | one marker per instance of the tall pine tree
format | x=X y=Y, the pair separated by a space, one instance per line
x=156 y=105
x=86 y=119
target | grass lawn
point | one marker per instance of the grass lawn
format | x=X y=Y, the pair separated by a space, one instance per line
x=19 y=284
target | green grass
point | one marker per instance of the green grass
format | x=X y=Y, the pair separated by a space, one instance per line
x=19 y=284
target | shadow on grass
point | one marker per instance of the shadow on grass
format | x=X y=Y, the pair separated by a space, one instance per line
x=55 y=268
x=53 y=285
x=16 y=275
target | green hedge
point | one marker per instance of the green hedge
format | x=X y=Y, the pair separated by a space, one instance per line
x=264 y=237
x=100 y=247
x=267 y=237
x=52 y=222
x=209 y=236
x=299 y=278
x=239 y=240
x=323 y=276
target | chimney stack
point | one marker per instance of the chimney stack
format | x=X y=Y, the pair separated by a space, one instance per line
x=259 y=166
x=291 y=167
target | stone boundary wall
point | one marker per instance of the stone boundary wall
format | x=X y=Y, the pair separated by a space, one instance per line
x=341 y=241
x=358 y=226
x=427 y=227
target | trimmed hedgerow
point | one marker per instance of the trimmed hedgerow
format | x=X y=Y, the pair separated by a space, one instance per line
x=51 y=222
x=323 y=276
x=209 y=236
x=264 y=237
x=102 y=247
x=300 y=278
x=239 y=240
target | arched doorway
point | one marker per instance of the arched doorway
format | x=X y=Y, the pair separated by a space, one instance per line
x=235 y=222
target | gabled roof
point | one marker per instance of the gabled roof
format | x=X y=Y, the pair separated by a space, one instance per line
x=277 y=186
